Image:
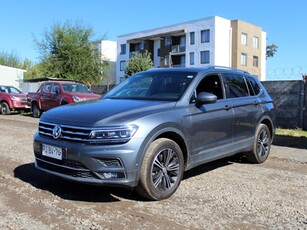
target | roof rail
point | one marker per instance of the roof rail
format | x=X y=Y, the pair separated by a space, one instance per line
x=226 y=68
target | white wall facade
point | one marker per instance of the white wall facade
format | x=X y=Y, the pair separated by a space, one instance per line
x=11 y=76
x=108 y=51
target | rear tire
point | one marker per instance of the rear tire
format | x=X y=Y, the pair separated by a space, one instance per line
x=5 y=109
x=261 y=146
x=162 y=170
x=36 y=111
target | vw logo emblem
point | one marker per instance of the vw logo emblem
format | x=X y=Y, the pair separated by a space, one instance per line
x=56 y=132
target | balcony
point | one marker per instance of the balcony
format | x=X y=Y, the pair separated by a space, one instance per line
x=178 y=49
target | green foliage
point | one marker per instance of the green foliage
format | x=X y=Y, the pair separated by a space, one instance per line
x=139 y=62
x=68 y=51
x=10 y=59
x=271 y=50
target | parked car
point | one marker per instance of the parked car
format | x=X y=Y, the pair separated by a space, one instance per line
x=12 y=99
x=55 y=93
x=157 y=124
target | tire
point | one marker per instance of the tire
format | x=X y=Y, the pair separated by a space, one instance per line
x=36 y=111
x=261 y=146
x=5 y=109
x=162 y=170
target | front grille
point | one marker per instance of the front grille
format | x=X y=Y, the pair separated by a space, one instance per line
x=71 y=133
x=81 y=173
x=63 y=162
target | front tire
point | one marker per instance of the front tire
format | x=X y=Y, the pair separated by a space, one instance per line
x=261 y=146
x=162 y=170
x=36 y=111
x=5 y=109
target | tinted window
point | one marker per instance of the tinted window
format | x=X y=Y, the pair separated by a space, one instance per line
x=254 y=85
x=236 y=86
x=155 y=85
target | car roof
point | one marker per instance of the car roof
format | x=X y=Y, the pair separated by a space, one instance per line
x=200 y=69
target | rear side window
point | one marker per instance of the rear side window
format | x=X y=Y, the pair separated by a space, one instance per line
x=236 y=86
x=255 y=86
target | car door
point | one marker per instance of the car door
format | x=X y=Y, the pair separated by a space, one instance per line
x=55 y=95
x=246 y=107
x=45 y=95
x=210 y=124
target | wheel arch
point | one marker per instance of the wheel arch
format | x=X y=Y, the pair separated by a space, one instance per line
x=269 y=123
x=35 y=102
x=8 y=102
x=168 y=132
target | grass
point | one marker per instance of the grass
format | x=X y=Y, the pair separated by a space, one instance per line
x=294 y=138
x=291 y=132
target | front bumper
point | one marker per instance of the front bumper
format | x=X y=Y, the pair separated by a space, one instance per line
x=110 y=165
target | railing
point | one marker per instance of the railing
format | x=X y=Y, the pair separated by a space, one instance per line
x=178 y=49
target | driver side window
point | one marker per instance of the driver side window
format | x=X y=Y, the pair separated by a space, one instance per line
x=210 y=84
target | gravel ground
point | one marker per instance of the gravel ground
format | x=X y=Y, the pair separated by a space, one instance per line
x=225 y=194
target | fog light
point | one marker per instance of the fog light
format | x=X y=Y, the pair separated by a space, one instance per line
x=110 y=163
x=113 y=175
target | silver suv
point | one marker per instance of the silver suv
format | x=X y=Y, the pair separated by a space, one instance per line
x=154 y=126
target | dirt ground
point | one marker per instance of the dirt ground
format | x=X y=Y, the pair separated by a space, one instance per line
x=226 y=194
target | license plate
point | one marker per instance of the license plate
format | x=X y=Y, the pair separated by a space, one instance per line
x=52 y=151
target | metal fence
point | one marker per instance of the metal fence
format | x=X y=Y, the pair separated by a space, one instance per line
x=290 y=101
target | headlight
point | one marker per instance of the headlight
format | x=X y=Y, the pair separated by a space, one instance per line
x=15 y=98
x=77 y=99
x=113 y=135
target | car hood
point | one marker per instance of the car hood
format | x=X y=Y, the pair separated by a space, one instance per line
x=104 y=112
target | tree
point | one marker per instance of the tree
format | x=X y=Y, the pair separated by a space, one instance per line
x=271 y=50
x=139 y=62
x=10 y=59
x=68 y=51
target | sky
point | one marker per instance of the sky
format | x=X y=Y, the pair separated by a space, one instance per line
x=285 y=22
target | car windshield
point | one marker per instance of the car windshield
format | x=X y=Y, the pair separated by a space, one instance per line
x=75 y=88
x=9 y=89
x=154 y=85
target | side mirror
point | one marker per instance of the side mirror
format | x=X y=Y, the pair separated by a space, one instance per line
x=205 y=98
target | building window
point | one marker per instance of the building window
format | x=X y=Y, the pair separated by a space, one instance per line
x=123 y=49
x=256 y=42
x=244 y=39
x=192 y=38
x=142 y=44
x=204 y=57
x=192 y=58
x=168 y=41
x=244 y=59
x=122 y=65
x=205 y=36
x=167 y=63
x=255 y=61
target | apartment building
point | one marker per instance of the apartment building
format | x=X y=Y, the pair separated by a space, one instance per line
x=197 y=43
x=248 y=48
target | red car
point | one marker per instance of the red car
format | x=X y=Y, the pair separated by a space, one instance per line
x=55 y=93
x=12 y=99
